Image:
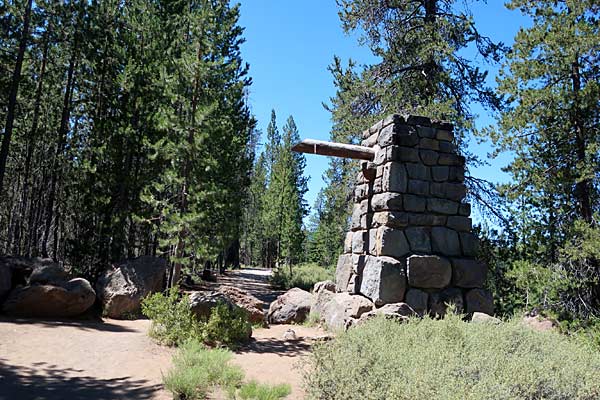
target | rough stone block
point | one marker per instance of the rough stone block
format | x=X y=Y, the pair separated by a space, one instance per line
x=468 y=273
x=417 y=120
x=408 y=140
x=358 y=263
x=391 y=242
x=450 y=191
x=442 y=124
x=386 y=201
x=418 y=239
x=439 y=302
x=360 y=242
x=440 y=173
x=418 y=187
x=393 y=177
x=344 y=307
x=447 y=147
x=464 y=209
x=456 y=174
x=426 y=132
x=348 y=243
x=377 y=186
x=418 y=171
x=370 y=141
x=445 y=241
x=429 y=157
x=460 y=224
x=442 y=206
x=428 y=272
x=417 y=300
x=383 y=280
x=343 y=272
x=479 y=300
x=429 y=144
x=414 y=203
x=469 y=244
x=451 y=159
x=390 y=218
x=445 y=134
x=361 y=192
x=372 y=241
x=426 y=220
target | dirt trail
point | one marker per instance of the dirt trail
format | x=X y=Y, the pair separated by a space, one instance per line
x=114 y=359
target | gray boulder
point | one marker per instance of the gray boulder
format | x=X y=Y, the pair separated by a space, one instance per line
x=67 y=300
x=122 y=288
x=202 y=303
x=324 y=285
x=48 y=274
x=320 y=301
x=396 y=311
x=22 y=267
x=252 y=305
x=291 y=307
x=482 y=318
x=342 y=308
x=383 y=280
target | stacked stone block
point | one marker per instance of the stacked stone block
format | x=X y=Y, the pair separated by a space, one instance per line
x=410 y=238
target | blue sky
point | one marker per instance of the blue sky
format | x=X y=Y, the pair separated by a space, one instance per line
x=289 y=45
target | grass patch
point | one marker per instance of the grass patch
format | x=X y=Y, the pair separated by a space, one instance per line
x=197 y=371
x=450 y=359
x=303 y=276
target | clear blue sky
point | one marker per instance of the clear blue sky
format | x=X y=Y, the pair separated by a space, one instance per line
x=289 y=45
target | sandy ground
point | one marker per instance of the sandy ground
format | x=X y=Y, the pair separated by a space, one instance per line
x=114 y=359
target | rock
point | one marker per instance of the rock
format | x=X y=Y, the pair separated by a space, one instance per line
x=439 y=302
x=5 y=281
x=252 y=305
x=418 y=238
x=343 y=272
x=291 y=307
x=48 y=274
x=445 y=241
x=51 y=301
x=386 y=201
x=391 y=242
x=469 y=244
x=538 y=323
x=122 y=288
x=202 y=303
x=429 y=272
x=442 y=206
x=383 y=280
x=482 y=318
x=319 y=302
x=479 y=300
x=396 y=311
x=22 y=267
x=289 y=335
x=344 y=307
x=417 y=300
x=323 y=285
x=468 y=273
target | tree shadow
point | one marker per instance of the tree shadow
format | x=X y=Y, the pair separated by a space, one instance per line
x=275 y=346
x=48 y=382
x=86 y=325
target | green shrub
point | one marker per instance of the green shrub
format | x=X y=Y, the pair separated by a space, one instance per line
x=197 y=370
x=172 y=320
x=303 y=276
x=257 y=391
x=451 y=359
x=228 y=326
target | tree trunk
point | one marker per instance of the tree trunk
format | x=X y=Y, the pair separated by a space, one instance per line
x=12 y=96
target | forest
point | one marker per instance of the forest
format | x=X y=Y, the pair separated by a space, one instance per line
x=127 y=130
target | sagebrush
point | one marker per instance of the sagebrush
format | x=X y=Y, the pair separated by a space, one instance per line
x=452 y=360
x=303 y=276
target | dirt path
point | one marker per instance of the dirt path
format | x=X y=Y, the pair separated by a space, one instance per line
x=114 y=359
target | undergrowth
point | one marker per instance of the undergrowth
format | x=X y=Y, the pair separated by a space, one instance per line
x=303 y=276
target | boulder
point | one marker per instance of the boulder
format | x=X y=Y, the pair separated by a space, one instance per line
x=396 y=311
x=68 y=300
x=252 y=305
x=324 y=285
x=48 y=274
x=429 y=272
x=342 y=308
x=291 y=307
x=343 y=272
x=320 y=301
x=122 y=288
x=538 y=323
x=383 y=280
x=202 y=303
x=22 y=267
x=482 y=318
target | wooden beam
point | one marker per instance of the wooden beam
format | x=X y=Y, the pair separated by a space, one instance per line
x=343 y=150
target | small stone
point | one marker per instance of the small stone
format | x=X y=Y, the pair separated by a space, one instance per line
x=458 y=223
x=429 y=157
x=414 y=203
x=289 y=335
x=417 y=300
x=469 y=244
x=468 y=273
x=482 y=318
x=428 y=272
x=418 y=238
x=391 y=242
x=390 y=218
x=418 y=187
x=343 y=272
x=440 y=173
x=538 y=323
x=383 y=280
x=445 y=241
x=386 y=201
x=479 y=300
x=418 y=171
x=439 y=302
x=323 y=286
x=442 y=206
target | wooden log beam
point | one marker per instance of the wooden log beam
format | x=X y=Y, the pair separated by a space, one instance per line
x=333 y=149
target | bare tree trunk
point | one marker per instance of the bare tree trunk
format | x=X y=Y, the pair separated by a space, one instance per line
x=12 y=96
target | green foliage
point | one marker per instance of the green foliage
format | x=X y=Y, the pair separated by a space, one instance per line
x=197 y=370
x=228 y=326
x=451 y=359
x=303 y=276
x=256 y=391
x=173 y=323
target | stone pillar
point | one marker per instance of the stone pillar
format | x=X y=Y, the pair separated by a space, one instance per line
x=410 y=237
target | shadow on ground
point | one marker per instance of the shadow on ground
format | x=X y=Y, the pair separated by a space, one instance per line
x=275 y=346
x=48 y=382
x=85 y=325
